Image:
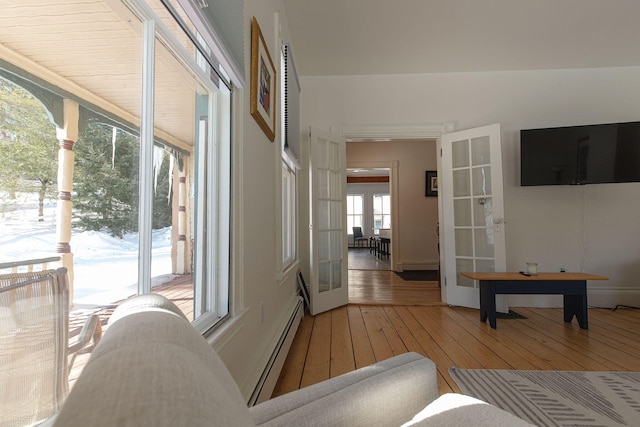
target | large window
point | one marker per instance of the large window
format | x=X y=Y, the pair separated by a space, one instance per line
x=354 y=211
x=150 y=132
x=381 y=212
x=135 y=127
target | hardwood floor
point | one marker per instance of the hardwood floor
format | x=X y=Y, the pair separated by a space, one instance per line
x=364 y=259
x=386 y=287
x=358 y=335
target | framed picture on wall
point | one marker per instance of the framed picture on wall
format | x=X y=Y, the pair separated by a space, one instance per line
x=431 y=184
x=263 y=83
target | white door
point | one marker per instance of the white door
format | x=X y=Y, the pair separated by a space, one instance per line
x=473 y=211
x=328 y=213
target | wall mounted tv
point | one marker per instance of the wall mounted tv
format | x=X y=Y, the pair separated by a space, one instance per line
x=576 y=155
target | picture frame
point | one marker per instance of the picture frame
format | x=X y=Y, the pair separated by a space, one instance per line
x=431 y=184
x=263 y=83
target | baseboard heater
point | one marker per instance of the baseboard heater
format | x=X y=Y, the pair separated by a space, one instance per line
x=269 y=377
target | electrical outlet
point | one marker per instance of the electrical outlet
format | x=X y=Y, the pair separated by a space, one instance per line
x=562 y=268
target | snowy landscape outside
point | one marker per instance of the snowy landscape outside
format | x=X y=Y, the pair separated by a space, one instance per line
x=105 y=267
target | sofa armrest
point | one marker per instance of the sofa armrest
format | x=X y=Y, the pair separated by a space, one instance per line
x=389 y=392
x=152 y=368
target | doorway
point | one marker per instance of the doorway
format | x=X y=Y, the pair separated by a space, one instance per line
x=368 y=215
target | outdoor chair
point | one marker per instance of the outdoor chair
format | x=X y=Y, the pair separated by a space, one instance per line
x=358 y=237
x=35 y=355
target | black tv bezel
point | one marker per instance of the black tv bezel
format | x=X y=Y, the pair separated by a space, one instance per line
x=578 y=177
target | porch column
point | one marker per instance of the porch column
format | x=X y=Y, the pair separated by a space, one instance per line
x=67 y=136
x=182 y=265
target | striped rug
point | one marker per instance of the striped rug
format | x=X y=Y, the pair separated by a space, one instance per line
x=557 y=398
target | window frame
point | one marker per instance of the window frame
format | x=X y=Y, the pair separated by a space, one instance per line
x=383 y=214
x=211 y=269
x=288 y=188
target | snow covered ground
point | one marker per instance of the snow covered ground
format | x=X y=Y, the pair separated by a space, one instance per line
x=105 y=267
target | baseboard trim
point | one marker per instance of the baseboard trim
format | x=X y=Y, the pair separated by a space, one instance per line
x=608 y=297
x=269 y=377
x=417 y=265
x=597 y=296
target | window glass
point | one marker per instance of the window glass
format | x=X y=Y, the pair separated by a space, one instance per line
x=288 y=215
x=288 y=185
x=381 y=212
x=354 y=211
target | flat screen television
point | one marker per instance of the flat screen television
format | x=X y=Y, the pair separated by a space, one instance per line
x=576 y=155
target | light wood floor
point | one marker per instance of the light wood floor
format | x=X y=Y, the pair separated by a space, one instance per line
x=358 y=335
x=364 y=259
x=386 y=287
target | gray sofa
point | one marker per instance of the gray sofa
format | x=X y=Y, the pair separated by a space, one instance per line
x=152 y=368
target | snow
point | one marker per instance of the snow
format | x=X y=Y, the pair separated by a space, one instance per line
x=105 y=267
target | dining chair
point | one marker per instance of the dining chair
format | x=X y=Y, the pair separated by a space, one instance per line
x=358 y=237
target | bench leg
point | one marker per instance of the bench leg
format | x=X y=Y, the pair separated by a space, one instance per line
x=576 y=305
x=488 y=303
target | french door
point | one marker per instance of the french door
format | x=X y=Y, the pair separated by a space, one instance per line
x=473 y=220
x=328 y=215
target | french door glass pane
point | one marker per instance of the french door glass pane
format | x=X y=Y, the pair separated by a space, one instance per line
x=462 y=212
x=480 y=151
x=460 y=151
x=323 y=215
x=485 y=265
x=482 y=181
x=462 y=265
x=484 y=242
x=336 y=214
x=323 y=183
x=324 y=253
x=461 y=183
x=464 y=242
x=336 y=273
x=483 y=211
x=324 y=276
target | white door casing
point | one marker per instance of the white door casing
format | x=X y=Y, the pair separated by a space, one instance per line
x=473 y=211
x=328 y=214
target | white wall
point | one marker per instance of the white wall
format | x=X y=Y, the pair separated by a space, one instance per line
x=262 y=298
x=592 y=228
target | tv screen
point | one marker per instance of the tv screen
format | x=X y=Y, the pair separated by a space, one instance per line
x=575 y=155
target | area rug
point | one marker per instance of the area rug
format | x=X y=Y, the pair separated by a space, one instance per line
x=557 y=398
x=418 y=275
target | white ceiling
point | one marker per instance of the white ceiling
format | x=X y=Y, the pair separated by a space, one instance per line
x=357 y=37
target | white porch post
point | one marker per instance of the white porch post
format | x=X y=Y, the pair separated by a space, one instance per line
x=67 y=136
x=182 y=255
